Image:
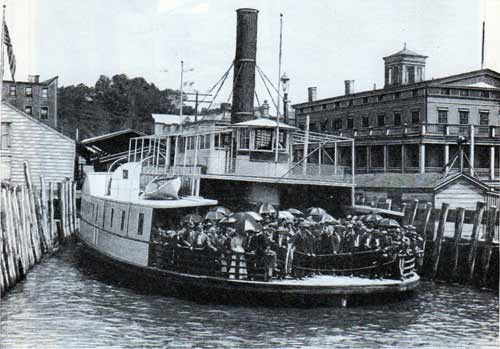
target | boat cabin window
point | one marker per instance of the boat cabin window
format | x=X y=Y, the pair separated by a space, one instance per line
x=125 y=174
x=111 y=217
x=140 y=224
x=263 y=139
x=122 y=223
x=244 y=138
x=96 y=211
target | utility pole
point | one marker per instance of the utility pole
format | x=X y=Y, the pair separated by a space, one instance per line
x=197 y=102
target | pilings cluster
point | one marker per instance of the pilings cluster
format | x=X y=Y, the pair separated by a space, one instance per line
x=34 y=221
x=461 y=246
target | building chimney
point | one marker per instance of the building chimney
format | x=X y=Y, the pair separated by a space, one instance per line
x=264 y=110
x=311 y=93
x=244 y=65
x=349 y=87
x=34 y=78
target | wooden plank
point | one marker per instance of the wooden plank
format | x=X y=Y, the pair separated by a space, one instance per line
x=413 y=212
x=471 y=261
x=459 y=225
x=490 y=233
x=439 y=239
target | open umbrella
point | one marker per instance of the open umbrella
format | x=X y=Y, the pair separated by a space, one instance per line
x=245 y=222
x=217 y=213
x=371 y=218
x=296 y=212
x=388 y=223
x=326 y=218
x=315 y=211
x=265 y=208
x=255 y=215
x=221 y=209
x=286 y=215
x=227 y=220
x=192 y=218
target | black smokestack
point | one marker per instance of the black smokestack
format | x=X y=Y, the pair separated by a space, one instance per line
x=244 y=65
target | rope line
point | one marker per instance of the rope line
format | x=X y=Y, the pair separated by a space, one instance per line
x=267 y=88
x=222 y=78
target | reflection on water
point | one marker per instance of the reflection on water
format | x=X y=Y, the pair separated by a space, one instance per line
x=63 y=306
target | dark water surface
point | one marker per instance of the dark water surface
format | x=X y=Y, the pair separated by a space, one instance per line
x=62 y=305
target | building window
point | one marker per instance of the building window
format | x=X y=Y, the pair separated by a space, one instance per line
x=337 y=124
x=390 y=75
x=414 y=93
x=411 y=75
x=350 y=123
x=45 y=92
x=12 y=90
x=415 y=117
x=365 y=100
x=420 y=74
x=464 y=93
x=484 y=118
x=464 y=117
x=324 y=126
x=397 y=119
x=122 y=222
x=380 y=98
x=366 y=121
x=445 y=91
x=140 y=224
x=337 y=104
x=381 y=120
x=28 y=110
x=5 y=131
x=125 y=174
x=397 y=95
x=351 y=102
x=485 y=94
x=28 y=91
x=44 y=113
x=442 y=116
x=111 y=217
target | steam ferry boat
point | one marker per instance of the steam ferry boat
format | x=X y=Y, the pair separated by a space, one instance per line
x=121 y=216
x=125 y=209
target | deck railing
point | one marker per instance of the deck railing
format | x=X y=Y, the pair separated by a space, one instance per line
x=422 y=129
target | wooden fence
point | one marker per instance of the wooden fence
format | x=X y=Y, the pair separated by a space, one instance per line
x=33 y=223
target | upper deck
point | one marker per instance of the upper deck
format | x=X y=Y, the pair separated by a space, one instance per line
x=260 y=150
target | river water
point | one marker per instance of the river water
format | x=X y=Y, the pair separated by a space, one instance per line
x=63 y=305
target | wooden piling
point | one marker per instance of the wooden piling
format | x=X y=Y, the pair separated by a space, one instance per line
x=490 y=233
x=457 y=236
x=478 y=218
x=439 y=239
x=27 y=225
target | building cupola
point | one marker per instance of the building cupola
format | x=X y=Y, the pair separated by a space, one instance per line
x=404 y=67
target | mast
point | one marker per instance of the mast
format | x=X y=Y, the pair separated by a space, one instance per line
x=278 y=91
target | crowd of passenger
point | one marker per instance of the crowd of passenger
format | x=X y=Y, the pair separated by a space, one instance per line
x=299 y=248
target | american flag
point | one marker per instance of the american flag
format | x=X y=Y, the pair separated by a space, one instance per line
x=10 y=51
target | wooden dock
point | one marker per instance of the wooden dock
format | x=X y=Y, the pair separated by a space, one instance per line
x=33 y=223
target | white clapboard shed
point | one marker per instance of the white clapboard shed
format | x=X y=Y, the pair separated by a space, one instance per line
x=461 y=190
x=24 y=138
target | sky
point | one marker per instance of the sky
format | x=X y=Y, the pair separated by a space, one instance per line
x=324 y=41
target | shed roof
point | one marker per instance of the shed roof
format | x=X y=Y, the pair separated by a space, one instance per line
x=111 y=143
x=262 y=123
x=168 y=119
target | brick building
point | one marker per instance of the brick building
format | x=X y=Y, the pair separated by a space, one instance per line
x=411 y=126
x=34 y=97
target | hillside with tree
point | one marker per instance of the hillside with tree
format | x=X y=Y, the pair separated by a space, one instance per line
x=114 y=104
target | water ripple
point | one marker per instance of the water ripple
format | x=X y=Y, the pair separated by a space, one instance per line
x=60 y=305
